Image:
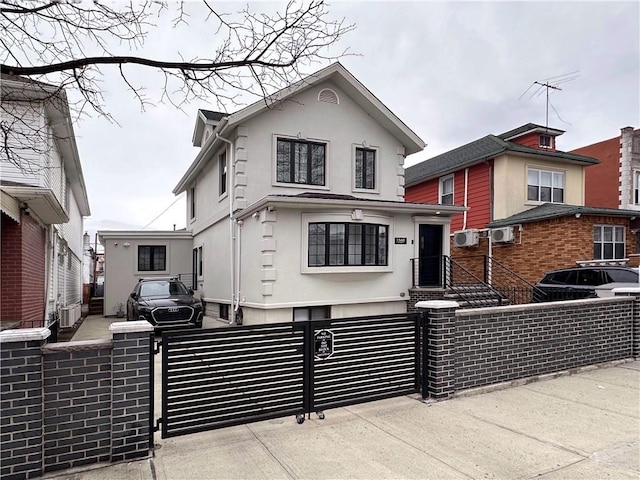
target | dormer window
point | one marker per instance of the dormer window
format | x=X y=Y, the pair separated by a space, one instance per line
x=545 y=141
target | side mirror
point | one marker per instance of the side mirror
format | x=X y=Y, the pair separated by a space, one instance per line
x=191 y=291
x=133 y=295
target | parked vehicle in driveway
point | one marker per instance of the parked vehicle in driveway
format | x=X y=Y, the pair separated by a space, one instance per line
x=164 y=303
x=585 y=282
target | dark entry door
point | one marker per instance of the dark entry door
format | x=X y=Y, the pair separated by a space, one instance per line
x=430 y=256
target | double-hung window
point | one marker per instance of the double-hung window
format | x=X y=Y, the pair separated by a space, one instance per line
x=545 y=186
x=300 y=161
x=446 y=190
x=545 y=141
x=340 y=244
x=152 y=258
x=608 y=242
x=365 y=168
x=636 y=188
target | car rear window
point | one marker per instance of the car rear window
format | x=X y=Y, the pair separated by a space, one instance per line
x=623 y=276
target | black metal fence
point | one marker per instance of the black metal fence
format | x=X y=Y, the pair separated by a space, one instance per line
x=228 y=376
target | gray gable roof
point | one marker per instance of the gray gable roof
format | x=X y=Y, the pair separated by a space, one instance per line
x=529 y=127
x=477 y=151
x=211 y=115
x=547 y=211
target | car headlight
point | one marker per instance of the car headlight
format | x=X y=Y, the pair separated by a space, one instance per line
x=142 y=310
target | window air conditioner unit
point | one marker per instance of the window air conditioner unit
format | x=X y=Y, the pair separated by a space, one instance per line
x=466 y=238
x=500 y=235
x=66 y=317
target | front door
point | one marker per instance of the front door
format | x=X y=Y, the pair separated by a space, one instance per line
x=430 y=256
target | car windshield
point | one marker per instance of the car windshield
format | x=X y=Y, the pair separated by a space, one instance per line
x=162 y=289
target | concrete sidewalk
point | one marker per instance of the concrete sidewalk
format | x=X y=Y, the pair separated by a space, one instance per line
x=583 y=426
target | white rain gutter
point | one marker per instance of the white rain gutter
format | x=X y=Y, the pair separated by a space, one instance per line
x=466 y=197
x=235 y=297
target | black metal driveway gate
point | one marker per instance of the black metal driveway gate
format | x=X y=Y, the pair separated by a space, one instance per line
x=232 y=375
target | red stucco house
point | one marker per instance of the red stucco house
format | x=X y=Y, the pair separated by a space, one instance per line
x=525 y=204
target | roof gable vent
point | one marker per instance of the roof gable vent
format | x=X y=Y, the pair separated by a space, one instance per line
x=328 y=96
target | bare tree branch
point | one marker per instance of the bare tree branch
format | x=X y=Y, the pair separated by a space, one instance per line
x=66 y=43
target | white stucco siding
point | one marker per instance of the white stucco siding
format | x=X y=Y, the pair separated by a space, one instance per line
x=215 y=284
x=26 y=139
x=341 y=126
x=283 y=283
x=210 y=206
x=510 y=183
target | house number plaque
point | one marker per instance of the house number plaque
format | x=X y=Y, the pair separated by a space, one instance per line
x=323 y=344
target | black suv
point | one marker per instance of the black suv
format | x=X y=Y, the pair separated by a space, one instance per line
x=164 y=303
x=583 y=282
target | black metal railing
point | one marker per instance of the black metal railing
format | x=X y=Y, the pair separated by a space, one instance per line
x=476 y=280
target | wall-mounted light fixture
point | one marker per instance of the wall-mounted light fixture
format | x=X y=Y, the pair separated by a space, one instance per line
x=126 y=244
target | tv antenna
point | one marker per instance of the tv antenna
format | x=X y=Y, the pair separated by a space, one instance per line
x=545 y=85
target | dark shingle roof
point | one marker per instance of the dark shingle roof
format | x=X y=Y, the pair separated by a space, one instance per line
x=526 y=128
x=547 y=211
x=477 y=151
x=211 y=115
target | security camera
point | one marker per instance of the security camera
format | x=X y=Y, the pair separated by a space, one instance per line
x=27 y=212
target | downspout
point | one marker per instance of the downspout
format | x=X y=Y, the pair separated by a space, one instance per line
x=47 y=273
x=466 y=197
x=232 y=229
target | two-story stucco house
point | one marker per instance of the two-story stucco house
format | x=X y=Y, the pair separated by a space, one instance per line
x=296 y=206
x=525 y=200
x=44 y=200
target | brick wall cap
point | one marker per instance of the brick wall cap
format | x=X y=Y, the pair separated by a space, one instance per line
x=78 y=346
x=24 y=335
x=626 y=290
x=430 y=304
x=131 y=327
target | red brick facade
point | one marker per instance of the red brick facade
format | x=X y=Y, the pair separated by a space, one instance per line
x=22 y=271
x=545 y=245
x=602 y=180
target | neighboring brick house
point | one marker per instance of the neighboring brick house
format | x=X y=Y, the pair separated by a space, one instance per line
x=615 y=182
x=526 y=203
x=43 y=201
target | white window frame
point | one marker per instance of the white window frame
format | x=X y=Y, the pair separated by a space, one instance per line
x=600 y=231
x=553 y=173
x=167 y=252
x=192 y=202
x=376 y=169
x=344 y=218
x=221 y=194
x=542 y=145
x=302 y=186
x=636 y=187
x=441 y=189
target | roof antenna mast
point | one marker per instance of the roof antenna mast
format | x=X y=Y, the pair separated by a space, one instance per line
x=550 y=83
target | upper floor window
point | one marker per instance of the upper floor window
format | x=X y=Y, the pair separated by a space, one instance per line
x=608 y=242
x=445 y=195
x=365 y=168
x=339 y=244
x=545 y=141
x=635 y=144
x=67 y=196
x=300 y=161
x=636 y=188
x=152 y=258
x=223 y=172
x=192 y=203
x=545 y=186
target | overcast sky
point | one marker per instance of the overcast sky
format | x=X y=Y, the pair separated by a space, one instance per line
x=452 y=71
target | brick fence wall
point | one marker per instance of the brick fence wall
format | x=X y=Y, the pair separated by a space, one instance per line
x=69 y=404
x=478 y=347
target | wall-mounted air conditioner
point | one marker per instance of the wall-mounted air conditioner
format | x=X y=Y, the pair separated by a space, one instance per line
x=504 y=234
x=466 y=238
x=67 y=317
